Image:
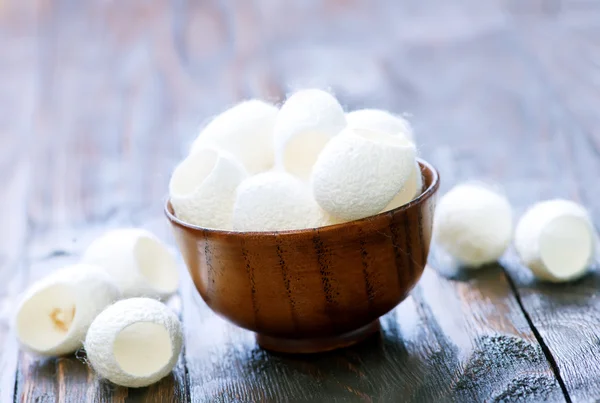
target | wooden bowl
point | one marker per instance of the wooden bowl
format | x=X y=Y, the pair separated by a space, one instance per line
x=312 y=290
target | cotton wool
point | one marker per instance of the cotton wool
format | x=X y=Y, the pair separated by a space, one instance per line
x=275 y=201
x=135 y=342
x=245 y=131
x=411 y=189
x=202 y=188
x=305 y=123
x=474 y=224
x=138 y=262
x=55 y=313
x=380 y=120
x=556 y=240
x=360 y=171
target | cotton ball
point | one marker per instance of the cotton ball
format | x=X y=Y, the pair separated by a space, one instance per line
x=202 y=188
x=55 y=313
x=473 y=224
x=411 y=189
x=274 y=201
x=139 y=263
x=360 y=171
x=305 y=123
x=246 y=131
x=134 y=342
x=380 y=120
x=556 y=240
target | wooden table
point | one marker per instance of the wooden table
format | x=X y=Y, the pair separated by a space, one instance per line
x=100 y=99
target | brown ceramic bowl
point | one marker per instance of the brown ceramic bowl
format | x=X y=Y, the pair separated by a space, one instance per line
x=317 y=289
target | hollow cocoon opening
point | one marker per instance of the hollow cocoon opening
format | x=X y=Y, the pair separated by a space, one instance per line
x=134 y=342
x=380 y=120
x=556 y=240
x=474 y=224
x=275 y=201
x=246 y=131
x=139 y=263
x=305 y=123
x=360 y=171
x=411 y=189
x=202 y=188
x=54 y=314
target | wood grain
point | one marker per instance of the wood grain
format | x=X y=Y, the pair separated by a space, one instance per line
x=565 y=55
x=101 y=98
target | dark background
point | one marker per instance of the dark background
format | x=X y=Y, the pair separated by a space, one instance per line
x=100 y=99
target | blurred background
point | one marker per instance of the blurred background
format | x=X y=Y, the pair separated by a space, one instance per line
x=99 y=99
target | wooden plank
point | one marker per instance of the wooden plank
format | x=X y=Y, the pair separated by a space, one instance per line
x=17 y=95
x=565 y=52
x=100 y=160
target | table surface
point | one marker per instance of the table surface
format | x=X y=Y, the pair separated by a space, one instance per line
x=100 y=99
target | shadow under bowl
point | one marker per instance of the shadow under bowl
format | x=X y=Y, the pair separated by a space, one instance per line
x=312 y=290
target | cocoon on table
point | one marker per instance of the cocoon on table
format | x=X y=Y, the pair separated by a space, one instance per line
x=360 y=171
x=556 y=240
x=305 y=123
x=202 y=188
x=246 y=131
x=54 y=314
x=380 y=120
x=137 y=261
x=275 y=201
x=134 y=342
x=473 y=224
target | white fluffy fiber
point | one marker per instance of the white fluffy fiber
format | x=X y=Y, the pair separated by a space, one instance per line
x=305 y=123
x=139 y=263
x=360 y=171
x=134 y=342
x=202 y=188
x=380 y=120
x=55 y=312
x=473 y=224
x=246 y=131
x=556 y=240
x=275 y=201
x=411 y=189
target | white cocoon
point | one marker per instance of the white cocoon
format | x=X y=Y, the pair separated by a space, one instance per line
x=411 y=189
x=360 y=171
x=139 y=263
x=275 y=201
x=202 y=188
x=380 y=120
x=55 y=313
x=305 y=123
x=473 y=224
x=246 y=131
x=134 y=342
x=556 y=240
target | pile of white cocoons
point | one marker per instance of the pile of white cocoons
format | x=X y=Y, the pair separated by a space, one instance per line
x=108 y=304
x=306 y=164
x=555 y=239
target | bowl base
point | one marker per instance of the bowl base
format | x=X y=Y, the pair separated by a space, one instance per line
x=317 y=345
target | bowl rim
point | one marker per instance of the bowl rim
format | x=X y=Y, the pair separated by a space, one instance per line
x=431 y=189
